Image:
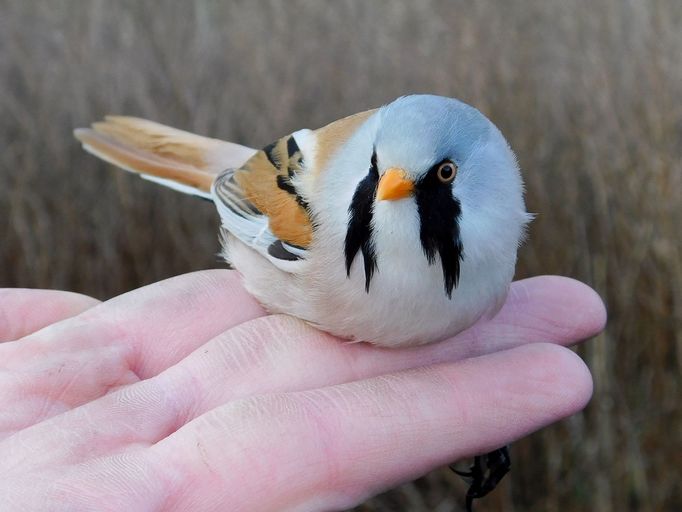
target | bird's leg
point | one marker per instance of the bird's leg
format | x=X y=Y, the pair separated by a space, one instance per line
x=485 y=474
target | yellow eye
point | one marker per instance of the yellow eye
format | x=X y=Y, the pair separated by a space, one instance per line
x=446 y=172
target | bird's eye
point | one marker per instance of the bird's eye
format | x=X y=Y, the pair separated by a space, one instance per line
x=446 y=172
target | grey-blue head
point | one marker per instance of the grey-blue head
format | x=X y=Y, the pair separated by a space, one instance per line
x=455 y=166
x=415 y=132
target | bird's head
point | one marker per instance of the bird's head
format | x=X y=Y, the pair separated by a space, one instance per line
x=445 y=162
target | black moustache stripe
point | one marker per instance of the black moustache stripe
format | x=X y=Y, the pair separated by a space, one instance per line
x=359 y=234
x=439 y=214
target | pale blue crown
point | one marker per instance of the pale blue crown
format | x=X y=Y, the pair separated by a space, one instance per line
x=418 y=131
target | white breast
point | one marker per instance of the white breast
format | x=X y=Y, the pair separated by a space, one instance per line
x=406 y=303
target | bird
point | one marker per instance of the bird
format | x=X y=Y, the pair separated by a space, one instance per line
x=397 y=226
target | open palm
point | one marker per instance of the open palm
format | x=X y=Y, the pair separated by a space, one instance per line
x=186 y=395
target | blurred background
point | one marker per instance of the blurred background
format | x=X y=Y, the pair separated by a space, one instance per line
x=588 y=93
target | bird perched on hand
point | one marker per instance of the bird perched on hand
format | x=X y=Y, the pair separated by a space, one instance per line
x=397 y=226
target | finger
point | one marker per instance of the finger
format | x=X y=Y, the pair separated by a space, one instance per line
x=335 y=446
x=24 y=311
x=157 y=324
x=279 y=353
x=329 y=448
x=116 y=343
x=551 y=309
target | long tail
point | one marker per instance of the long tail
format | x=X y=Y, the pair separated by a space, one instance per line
x=174 y=158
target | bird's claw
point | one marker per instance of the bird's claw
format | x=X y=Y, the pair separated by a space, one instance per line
x=485 y=473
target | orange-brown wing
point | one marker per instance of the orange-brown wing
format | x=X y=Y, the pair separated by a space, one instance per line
x=267 y=180
x=260 y=204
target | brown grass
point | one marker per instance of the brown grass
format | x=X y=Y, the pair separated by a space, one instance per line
x=588 y=93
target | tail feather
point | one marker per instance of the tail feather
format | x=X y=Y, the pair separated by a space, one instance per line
x=174 y=158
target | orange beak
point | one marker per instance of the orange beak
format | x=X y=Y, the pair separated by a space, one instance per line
x=394 y=184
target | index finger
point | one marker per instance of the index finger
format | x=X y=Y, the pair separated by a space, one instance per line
x=332 y=447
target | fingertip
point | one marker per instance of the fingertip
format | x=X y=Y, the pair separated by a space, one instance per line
x=596 y=315
x=590 y=310
x=578 y=305
x=583 y=388
x=563 y=375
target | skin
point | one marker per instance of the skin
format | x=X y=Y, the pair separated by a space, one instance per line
x=185 y=395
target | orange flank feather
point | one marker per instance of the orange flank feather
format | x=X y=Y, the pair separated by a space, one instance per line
x=332 y=136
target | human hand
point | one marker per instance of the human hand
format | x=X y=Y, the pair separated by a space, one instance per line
x=185 y=395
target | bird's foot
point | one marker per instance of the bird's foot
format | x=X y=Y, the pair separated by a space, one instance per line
x=485 y=473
